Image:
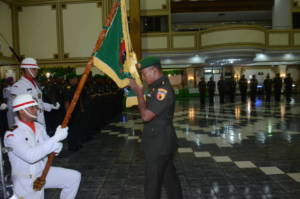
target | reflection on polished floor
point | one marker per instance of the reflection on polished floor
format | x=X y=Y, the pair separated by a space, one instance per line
x=226 y=151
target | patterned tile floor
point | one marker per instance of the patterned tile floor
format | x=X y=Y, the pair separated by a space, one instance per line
x=229 y=151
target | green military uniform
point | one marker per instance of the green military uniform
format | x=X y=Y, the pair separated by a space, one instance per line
x=288 y=82
x=75 y=123
x=159 y=141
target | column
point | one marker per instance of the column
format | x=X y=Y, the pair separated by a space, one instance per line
x=282 y=70
x=135 y=27
x=190 y=77
x=282 y=18
x=237 y=72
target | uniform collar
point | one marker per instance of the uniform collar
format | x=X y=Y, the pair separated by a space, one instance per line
x=22 y=125
x=30 y=79
x=31 y=125
x=158 y=82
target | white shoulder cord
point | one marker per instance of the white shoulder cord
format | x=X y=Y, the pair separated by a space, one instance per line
x=29 y=114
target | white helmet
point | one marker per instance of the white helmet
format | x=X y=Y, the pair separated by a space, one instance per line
x=29 y=63
x=23 y=101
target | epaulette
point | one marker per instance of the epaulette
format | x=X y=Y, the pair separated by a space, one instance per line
x=13 y=128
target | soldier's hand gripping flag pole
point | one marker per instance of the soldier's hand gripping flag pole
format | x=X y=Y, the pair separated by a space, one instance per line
x=40 y=181
x=116 y=57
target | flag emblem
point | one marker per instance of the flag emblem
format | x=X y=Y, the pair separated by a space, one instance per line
x=161 y=94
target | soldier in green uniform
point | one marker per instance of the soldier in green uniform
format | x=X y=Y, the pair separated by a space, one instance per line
x=243 y=86
x=221 y=89
x=288 y=83
x=75 y=124
x=159 y=140
x=268 y=88
x=253 y=88
x=211 y=87
x=202 y=90
x=277 y=85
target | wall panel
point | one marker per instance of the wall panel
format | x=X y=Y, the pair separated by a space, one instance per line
x=82 y=24
x=5 y=28
x=154 y=42
x=153 y=4
x=297 y=38
x=184 y=41
x=38 y=32
x=278 y=39
x=239 y=36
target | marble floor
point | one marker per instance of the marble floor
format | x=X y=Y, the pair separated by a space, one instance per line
x=225 y=151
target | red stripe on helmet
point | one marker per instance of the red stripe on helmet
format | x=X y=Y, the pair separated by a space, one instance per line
x=30 y=102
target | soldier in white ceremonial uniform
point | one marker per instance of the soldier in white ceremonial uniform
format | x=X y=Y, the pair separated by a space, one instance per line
x=28 y=85
x=30 y=145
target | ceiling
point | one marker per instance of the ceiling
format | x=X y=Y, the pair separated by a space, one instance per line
x=229 y=57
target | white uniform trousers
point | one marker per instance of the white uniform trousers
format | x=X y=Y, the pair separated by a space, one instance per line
x=66 y=179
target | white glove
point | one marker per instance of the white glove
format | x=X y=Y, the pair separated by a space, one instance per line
x=13 y=197
x=56 y=106
x=3 y=106
x=60 y=133
x=58 y=147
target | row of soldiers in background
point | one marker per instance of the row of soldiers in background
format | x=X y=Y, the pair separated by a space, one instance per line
x=99 y=102
x=227 y=88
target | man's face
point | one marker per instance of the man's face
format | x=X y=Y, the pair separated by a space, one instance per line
x=32 y=72
x=32 y=110
x=148 y=74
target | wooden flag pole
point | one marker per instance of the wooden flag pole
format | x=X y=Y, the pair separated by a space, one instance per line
x=40 y=181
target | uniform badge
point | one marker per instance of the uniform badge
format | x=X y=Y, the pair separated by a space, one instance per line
x=40 y=96
x=161 y=94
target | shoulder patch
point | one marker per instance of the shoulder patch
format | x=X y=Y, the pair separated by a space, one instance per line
x=161 y=94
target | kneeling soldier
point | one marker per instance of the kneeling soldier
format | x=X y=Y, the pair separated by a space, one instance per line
x=30 y=146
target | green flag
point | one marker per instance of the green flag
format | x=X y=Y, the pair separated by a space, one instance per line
x=111 y=56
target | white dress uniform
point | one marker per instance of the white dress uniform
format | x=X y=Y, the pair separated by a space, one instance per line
x=9 y=114
x=28 y=158
x=24 y=86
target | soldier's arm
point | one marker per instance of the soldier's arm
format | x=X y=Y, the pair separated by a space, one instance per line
x=25 y=152
x=146 y=114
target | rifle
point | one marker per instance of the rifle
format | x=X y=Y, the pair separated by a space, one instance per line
x=19 y=58
x=40 y=181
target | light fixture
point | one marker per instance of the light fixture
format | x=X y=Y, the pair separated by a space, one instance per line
x=168 y=61
x=190 y=78
x=288 y=56
x=282 y=75
x=261 y=57
x=48 y=74
x=196 y=59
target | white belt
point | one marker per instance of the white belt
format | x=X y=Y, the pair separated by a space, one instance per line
x=16 y=197
x=21 y=175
